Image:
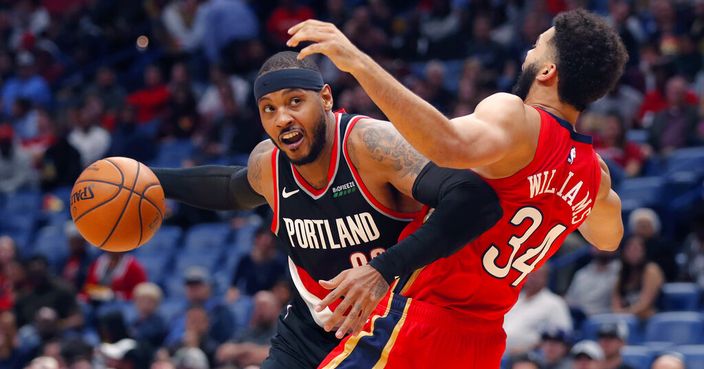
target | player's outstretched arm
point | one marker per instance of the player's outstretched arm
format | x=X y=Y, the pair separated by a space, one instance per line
x=217 y=187
x=467 y=142
x=604 y=225
x=381 y=149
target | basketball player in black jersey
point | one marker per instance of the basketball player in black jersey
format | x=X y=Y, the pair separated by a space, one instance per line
x=342 y=188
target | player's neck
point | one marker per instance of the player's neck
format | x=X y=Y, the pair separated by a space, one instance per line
x=548 y=100
x=316 y=172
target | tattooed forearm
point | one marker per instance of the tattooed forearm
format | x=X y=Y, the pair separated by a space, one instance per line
x=385 y=144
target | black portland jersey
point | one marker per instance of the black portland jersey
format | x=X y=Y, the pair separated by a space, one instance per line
x=332 y=229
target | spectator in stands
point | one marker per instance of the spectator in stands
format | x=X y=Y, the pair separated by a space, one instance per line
x=587 y=355
x=612 y=338
x=11 y=356
x=61 y=163
x=36 y=146
x=490 y=53
x=197 y=334
x=24 y=119
x=525 y=362
x=44 y=362
x=211 y=105
x=287 y=14
x=151 y=100
x=645 y=223
x=181 y=119
x=438 y=95
x=639 y=281
x=182 y=21
x=148 y=325
x=47 y=291
x=440 y=30
x=235 y=133
x=15 y=163
x=612 y=145
x=107 y=89
x=41 y=331
x=669 y=361
x=260 y=269
x=226 y=21
x=693 y=252
x=592 y=286
x=7 y=257
x=113 y=276
x=251 y=347
x=537 y=309
x=111 y=326
x=90 y=139
x=129 y=139
x=190 y=358
x=75 y=270
x=555 y=347
x=199 y=293
x=27 y=84
x=623 y=100
x=676 y=125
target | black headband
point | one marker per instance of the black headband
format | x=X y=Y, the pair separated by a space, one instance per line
x=287 y=78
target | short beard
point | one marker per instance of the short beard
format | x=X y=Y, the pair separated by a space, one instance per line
x=316 y=146
x=525 y=81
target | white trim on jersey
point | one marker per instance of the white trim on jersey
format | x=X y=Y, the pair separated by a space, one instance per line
x=310 y=299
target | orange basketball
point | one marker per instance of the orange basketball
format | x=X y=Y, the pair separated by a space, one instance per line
x=117 y=204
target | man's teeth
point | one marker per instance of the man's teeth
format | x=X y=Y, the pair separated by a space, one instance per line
x=289 y=135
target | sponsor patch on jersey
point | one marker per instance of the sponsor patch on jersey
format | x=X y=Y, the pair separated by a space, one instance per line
x=343 y=190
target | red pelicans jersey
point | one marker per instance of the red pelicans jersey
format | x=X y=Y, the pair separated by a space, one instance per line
x=542 y=203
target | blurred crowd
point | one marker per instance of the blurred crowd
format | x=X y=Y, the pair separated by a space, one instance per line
x=169 y=83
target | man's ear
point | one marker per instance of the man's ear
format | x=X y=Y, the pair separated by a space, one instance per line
x=326 y=95
x=547 y=72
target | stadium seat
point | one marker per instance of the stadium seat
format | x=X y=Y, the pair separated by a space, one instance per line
x=170 y=308
x=693 y=355
x=637 y=356
x=173 y=153
x=686 y=160
x=185 y=260
x=155 y=265
x=165 y=240
x=641 y=192
x=679 y=328
x=207 y=237
x=242 y=309
x=680 y=297
x=24 y=201
x=637 y=135
x=51 y=242
x=592 y=324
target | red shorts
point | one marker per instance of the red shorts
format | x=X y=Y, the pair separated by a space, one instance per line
x=414 y=334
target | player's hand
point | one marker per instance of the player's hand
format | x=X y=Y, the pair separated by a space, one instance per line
x=362 y=288
x=327 y=40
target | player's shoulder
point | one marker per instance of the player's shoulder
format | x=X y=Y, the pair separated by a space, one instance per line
x=369 y=133
x=377 y=144
x=258 y=168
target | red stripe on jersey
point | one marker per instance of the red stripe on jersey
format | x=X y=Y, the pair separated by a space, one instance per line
x=367 y=194
x=275 y=178
x=314 y=287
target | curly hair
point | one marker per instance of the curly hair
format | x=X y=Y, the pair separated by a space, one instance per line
x=287 y=60
x=590 y=57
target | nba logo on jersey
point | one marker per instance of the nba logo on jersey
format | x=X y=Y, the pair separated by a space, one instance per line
x=573 y=154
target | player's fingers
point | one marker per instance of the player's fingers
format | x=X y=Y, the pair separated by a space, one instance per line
x=333 y=296
x=351 y=321
x=303 y=24
x=312 y=49
x=311 y=34
x=339 y=314
x=336 y=281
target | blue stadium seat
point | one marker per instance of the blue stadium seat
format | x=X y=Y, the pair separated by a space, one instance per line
x=637 y=135
x=165 y=240
x=637 y=356
x=51 y=242
x=592 y=324
x=24 y=201
x=686 y=160
x=185 y=260
x=680 y=297
x=170 y=308
x=207 y=237
x=173 y=153
x=242 y=309
x=641 y=192
x=174 y=288
x=693 y=355
x=680 y=328
x=155 y=265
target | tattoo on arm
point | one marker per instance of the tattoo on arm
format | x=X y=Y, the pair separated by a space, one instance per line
x=387 y=145
x=254 y=165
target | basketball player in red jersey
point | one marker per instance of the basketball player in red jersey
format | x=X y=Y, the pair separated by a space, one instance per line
x=548 y=177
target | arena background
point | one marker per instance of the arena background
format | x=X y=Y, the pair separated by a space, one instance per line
x=169 y=83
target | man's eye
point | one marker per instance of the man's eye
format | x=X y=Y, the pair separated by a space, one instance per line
x=296 y=101
x=268 y=109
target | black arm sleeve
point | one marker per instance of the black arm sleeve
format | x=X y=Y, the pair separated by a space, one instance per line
x=212 y=187
x=465 y=207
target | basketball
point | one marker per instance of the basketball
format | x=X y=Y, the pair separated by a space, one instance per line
x=117 y=204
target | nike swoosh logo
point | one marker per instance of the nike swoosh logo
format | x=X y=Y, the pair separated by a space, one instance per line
x=288 y=310
x=286 y=195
